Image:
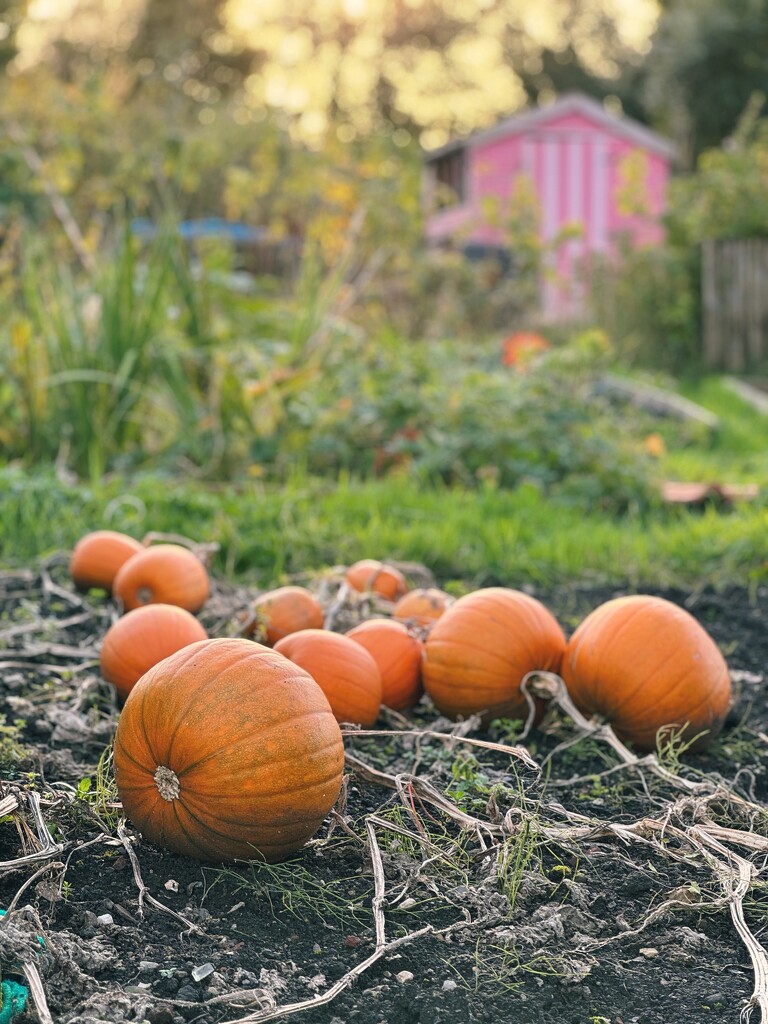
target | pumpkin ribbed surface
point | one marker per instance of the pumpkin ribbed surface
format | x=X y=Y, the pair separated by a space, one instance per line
x=286 y=610
x=98 y=556
x=345 y=671
x=227 y=750
x=142 y=638
x=398 y=655
x=643 y=663
x=482 y=647
x=163 y=574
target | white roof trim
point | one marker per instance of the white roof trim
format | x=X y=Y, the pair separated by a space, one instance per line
x=568 y=103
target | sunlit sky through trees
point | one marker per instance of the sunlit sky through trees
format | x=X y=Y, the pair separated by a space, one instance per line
x=443 y=66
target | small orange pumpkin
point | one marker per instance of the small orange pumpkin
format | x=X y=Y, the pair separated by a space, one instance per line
x=142 y=638
x=97 y=557
x=285 y=610
x=398 y=655
x=346 y=673
x=370 y=575
x=163 y=574
x=482 y=647
x=422 y=606
x=227 y=750
x=644 y=663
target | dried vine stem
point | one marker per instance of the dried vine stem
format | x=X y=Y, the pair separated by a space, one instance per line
x=735 y=874
x=551 y=687
x=451 y=738
x=328 y=996
x=379 y=885
x=144 y=893
x=11 y=803
x=339 y=602
x=37 y=992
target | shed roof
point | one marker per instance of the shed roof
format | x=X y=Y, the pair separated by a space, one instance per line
x=568 y=103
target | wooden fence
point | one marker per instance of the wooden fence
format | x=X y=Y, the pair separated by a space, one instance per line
x=734 y=291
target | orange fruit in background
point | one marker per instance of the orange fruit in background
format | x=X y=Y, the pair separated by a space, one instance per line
x=98 y=556
x=644 y=663
x=422 y=606
x=520 y=346
x=345 y=672
x=163 y=574
x=283 y=611
x=371 y=575
x=479 y=651
x=398 y=655
x=143 y=637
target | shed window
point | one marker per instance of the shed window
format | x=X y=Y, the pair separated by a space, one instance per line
x=449 y=178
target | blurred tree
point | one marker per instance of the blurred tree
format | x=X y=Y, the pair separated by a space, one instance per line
x=188 y=38
x=706 y=60
x=12 y=14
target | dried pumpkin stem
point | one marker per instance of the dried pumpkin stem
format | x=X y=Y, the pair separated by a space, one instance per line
x=167 y=782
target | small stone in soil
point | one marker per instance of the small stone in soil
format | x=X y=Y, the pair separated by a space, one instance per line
x=202 y=971
x=160 y=1015
x=404 y=976
x=148 y=965
x=449 y=985
x=105 y=919
x=188 y=994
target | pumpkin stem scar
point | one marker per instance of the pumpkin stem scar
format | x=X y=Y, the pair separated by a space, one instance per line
x=144 y=595
x=167 y=782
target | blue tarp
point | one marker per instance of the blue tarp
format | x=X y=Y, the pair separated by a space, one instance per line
x=206 y=227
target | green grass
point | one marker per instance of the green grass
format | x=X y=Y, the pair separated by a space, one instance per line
x=737 y=452
x=476 y=536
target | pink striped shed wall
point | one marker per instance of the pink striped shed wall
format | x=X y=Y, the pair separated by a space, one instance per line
x=594 y=178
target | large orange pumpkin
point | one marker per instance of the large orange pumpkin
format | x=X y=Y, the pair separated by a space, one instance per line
x=642 y=663
x=142 y=638
x=163 y=574
x=227 y=750
x=422 y=606
x=97 y=557
x=398 y=655
x=285 y=610
x=345 y=671
x=479 y=651
x=370 y=575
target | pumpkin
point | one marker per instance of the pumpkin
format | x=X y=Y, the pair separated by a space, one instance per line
x=142 y=638
x=642 y=663
x=97 y=557
x=227 y=750
x=370 y=575
x=481 y=648
x=422 y=606
x=285 y=610
x=398 y=655
x=163 y=574
x=346 y=673
x=518 y=348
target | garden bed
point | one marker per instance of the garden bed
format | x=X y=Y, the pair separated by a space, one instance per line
x=454 y=882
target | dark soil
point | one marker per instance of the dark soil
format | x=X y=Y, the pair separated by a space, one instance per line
x=536 y=928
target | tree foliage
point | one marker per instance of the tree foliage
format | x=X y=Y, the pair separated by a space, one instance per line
x=706 y=61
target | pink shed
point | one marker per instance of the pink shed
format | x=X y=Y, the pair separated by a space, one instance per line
x=594 y=176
